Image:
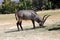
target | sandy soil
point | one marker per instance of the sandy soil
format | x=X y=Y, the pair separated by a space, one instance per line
x=8 y=30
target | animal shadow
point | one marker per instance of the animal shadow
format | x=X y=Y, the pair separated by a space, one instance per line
x=57 y=28
x=10 y=31
x=13 y=30
x=35 y=28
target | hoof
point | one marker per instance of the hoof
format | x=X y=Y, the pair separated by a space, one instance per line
x=34 y=28
x=22 y=30
x=42 y=26
x=18 y=30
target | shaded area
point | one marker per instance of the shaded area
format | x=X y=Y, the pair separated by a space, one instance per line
x=35 y=28
x=56 y=3
x=10 y=31
x=58 y=25
x=57 y=28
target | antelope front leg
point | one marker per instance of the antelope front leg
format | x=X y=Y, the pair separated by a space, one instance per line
x=33 y=24
x=21 y=25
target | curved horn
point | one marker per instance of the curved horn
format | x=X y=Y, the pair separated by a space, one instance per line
x=46 y=17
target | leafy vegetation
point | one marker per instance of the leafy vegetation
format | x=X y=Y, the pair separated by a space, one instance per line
x=9 y=6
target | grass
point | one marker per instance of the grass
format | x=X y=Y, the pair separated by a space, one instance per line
x=55 y=26
x=6 y=17
x=41 y=13
x=48 y=12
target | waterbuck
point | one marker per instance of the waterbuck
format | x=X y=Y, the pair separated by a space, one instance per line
x=29 y=15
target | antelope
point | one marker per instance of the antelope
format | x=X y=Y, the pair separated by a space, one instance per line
x=29 y=15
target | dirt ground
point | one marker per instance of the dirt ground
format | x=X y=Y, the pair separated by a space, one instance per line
x=8 y=30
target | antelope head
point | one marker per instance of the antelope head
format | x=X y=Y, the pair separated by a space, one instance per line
x=43 y=20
